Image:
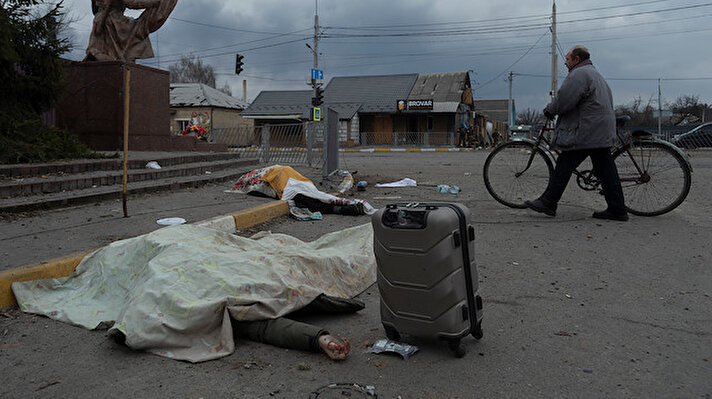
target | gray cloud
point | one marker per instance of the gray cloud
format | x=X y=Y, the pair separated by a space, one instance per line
x=644 y=42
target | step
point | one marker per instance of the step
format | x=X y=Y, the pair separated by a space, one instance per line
x=93 y=165
x=57 y=199
x=79 y=181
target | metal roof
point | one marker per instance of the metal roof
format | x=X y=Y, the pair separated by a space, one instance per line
x=365 y=94
x=375 y=94
x=440 y=87
x=200 y=95
x=280 y=102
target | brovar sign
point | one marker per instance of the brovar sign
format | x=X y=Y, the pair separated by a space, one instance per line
x=420 y=104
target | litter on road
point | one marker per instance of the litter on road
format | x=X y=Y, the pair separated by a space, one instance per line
x=407 y=182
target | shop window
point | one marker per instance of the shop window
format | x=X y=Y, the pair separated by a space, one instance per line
x=430 y=123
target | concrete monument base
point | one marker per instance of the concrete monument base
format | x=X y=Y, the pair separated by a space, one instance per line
x=93 y=107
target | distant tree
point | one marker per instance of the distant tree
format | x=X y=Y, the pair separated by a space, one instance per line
x=531 y=117
x=641 y=113
x=192 y=69
x=688 y=109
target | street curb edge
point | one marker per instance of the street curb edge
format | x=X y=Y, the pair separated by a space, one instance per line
x=64 y=266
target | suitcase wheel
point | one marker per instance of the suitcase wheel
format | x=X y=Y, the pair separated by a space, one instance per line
x=456 y=347
x=392 y=333
x=477 y=331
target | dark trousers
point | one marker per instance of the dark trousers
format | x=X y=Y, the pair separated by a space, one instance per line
x=603 y=167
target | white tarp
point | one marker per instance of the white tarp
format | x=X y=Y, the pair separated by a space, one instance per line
x=173 y=292
x=308 y=189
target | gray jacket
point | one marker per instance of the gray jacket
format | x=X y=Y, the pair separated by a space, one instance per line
x=584 y=104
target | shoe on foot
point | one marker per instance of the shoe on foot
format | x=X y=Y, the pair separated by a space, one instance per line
x=541 y=206
x=608 y=215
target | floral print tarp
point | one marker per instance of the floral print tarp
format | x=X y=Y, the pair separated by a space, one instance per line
x=175 y=291
x=252 y=181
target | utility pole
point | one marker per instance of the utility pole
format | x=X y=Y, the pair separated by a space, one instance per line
x=660 y=106
x=316 y=41
x=554 y=60
x=509 y=107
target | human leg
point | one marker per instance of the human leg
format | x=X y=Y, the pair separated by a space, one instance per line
x=605 y=169
x=566 y=163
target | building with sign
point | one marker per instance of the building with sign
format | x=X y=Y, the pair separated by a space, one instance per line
x=386 y=109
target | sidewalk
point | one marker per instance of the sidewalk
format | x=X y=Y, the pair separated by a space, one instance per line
x=37 y=236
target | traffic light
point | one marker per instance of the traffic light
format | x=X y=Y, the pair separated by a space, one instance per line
x=318 y=98
x=238 y=63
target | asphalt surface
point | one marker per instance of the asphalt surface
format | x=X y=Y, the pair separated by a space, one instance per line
x=574 y=307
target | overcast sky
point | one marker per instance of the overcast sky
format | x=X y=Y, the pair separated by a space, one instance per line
x=632 y=42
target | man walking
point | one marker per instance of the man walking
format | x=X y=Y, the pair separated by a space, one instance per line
x=586 y=128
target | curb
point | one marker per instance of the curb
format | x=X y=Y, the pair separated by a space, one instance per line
x=63 y=267
x=371 y=150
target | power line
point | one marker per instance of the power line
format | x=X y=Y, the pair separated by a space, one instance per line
x=501 y=29
x=228 y=27
x=242 y=50
x=490 y=21
x=513 y=64
x=622 y=79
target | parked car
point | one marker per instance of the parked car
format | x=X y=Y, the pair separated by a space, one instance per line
x=519 y=131
x=701 y=136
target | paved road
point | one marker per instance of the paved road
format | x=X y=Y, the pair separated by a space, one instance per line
x=574 y=307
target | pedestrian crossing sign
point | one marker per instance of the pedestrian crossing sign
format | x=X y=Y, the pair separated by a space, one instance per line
x=316 y=114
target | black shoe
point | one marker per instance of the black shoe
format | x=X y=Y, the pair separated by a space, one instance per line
x=608 y=215
x=541 y=206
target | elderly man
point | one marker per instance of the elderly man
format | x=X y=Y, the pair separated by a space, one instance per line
x=585 y=128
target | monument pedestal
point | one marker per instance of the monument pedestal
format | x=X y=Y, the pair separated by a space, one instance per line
x=92 y=106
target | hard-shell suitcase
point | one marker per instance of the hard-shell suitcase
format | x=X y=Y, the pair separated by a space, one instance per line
x=427 y=277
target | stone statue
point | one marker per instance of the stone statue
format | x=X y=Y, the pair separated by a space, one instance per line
x=115 y=36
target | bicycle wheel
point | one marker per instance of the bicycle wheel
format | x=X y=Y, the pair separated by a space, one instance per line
x=662 y=183
x=505 y=176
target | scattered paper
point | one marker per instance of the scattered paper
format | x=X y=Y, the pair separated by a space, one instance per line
x=407 y=182
x=170 y=221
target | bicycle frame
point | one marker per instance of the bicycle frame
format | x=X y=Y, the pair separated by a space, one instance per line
x=589 y=181
x=655 y=175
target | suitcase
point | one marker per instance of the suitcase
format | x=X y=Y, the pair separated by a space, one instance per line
x=427 y=277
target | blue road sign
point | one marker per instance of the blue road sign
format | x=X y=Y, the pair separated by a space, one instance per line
x=317 y=114
x=317 y=73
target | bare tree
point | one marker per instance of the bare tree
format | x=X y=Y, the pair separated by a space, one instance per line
x=191 y=69
x=531 y=117
x=641 y=113
x=688 y=109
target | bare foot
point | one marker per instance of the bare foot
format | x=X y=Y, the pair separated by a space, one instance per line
x=335 y=348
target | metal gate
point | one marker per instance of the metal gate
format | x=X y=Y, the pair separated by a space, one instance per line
x=298 y=143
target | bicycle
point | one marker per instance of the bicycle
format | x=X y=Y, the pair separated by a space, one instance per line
x=655 y=175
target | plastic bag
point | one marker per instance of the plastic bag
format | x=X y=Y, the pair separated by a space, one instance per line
x=386 y=345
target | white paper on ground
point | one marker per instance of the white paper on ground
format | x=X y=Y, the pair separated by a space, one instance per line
x=407 y=182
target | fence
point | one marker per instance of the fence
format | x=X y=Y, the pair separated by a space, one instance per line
x=687 y=137
x=284 y=144
x=423 y=139
x=406 y=139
